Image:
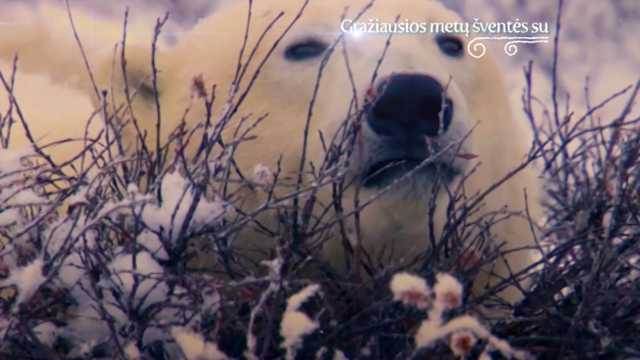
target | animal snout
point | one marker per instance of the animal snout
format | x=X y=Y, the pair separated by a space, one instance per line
x=410 y=104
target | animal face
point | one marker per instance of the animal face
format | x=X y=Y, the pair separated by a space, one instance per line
x=415 y=108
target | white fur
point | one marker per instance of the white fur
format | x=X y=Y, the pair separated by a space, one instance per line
x=284 y=90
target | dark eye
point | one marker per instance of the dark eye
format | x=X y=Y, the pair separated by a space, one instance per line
x=305 y=50
x=450 y=45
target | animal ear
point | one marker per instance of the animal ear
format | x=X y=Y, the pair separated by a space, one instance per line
x=124 y=79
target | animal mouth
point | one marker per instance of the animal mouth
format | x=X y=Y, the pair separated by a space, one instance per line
x=384 y=173
x=390 y=168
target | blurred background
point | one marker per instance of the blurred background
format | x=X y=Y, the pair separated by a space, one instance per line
x=599 y=40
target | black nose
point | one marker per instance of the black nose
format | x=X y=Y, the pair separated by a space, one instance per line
x=410 y=104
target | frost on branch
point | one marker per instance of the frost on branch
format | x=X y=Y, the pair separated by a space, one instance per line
x=460 y=333
x=138 y=277
x=194 y=347
x=411 y=290
x=177 y=196
x=15 y=196
x=27 y=280
x=105 y=291
x=448 y=291
x=12 y=165
x=295 y=324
